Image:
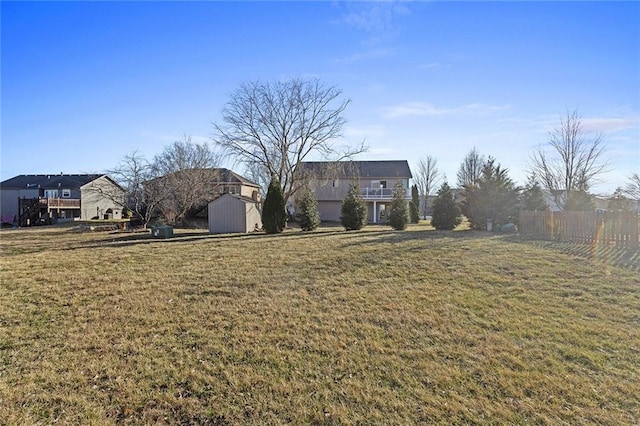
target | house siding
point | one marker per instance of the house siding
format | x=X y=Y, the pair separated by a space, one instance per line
x=94 y=202
x=330 y=210
x=9 y=205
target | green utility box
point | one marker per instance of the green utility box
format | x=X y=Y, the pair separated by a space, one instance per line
x=162 y=231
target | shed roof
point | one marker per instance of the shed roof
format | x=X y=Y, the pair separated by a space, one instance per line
x=364 y=169
x=238 y=197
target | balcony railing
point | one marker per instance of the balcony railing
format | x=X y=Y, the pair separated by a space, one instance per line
x=60 y=203
x=381 y=193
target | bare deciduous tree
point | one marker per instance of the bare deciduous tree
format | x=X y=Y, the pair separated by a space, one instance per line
x=427 y=178
x=470 y=169
x=131 y=174
x=188 y=171
x=633 y=187
x=574 y=163
x=275 y=126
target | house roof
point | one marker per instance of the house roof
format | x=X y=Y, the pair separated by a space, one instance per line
x=51 y=181
x=365 y=169
x=222 y=175
x=229 y=176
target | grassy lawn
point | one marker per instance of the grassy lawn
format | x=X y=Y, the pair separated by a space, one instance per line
x=330 y=327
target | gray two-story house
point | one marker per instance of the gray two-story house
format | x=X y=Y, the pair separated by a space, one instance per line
x=377 y=179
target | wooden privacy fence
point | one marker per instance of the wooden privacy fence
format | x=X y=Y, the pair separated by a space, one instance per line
x=607 y=228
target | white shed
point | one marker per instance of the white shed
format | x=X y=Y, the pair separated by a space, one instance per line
x=232 y=213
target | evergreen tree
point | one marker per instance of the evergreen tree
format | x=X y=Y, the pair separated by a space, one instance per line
x=618 y=202
x=414 y=205
x=274 y=217
x=308 y=208
x=399 y=213
x=414 y=212
x=579 y=200
x=446 y=213
x=494 y=197
x=354 y=209
x=532 y=197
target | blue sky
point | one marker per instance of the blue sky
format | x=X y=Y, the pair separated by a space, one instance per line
x=85 y=83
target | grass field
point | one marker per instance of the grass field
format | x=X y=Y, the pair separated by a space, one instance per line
x=330 y=327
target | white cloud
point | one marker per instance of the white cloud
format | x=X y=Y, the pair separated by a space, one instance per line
x=373 y=16
x=424 y=109
x=609 y=124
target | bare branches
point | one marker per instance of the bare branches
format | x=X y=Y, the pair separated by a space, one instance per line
x=132 y=173
x=427 y=178
x=471 y=169
x=187 y=171
x=575 y=162
x=633 y=187
x=275 y=126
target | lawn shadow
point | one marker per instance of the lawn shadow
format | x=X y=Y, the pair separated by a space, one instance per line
x=393 y=237
x=128 y=240
x=368 y=235
x=627 y=258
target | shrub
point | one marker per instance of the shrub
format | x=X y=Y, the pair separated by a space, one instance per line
x=414 y=213
x=494 y=197
x=446 y=214
x=532 y=198
x=354 y=209
x=308 y=208
x=399 y=213
x=274 y=217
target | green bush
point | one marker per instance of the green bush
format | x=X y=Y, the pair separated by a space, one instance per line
x=399 y=213
x=446 y=213
x=308 y=212
x=354 y=209
x=274 y=217
x=414 y=213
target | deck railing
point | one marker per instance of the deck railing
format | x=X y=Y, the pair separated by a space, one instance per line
x=381 y=193
x=61 y=203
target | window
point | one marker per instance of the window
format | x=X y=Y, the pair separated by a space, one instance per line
x=335 y=183
x=66 y=193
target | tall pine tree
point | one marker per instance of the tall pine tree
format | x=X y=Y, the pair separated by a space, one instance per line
x=399 y=213
x=446 y=213
x=532 y=197
x=494 y=197
x=414 y=205
x=308 y=211
x=354 y=209
x=274 y=216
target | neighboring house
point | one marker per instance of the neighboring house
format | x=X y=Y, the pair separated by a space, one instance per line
x=203 y=185
x=214 y=181
x=600 y=203
x=233 y=213
x=232 y=183
x=28 y=199
x=377 y=179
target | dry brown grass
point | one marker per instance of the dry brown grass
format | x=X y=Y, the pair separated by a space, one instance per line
x=331 y=327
